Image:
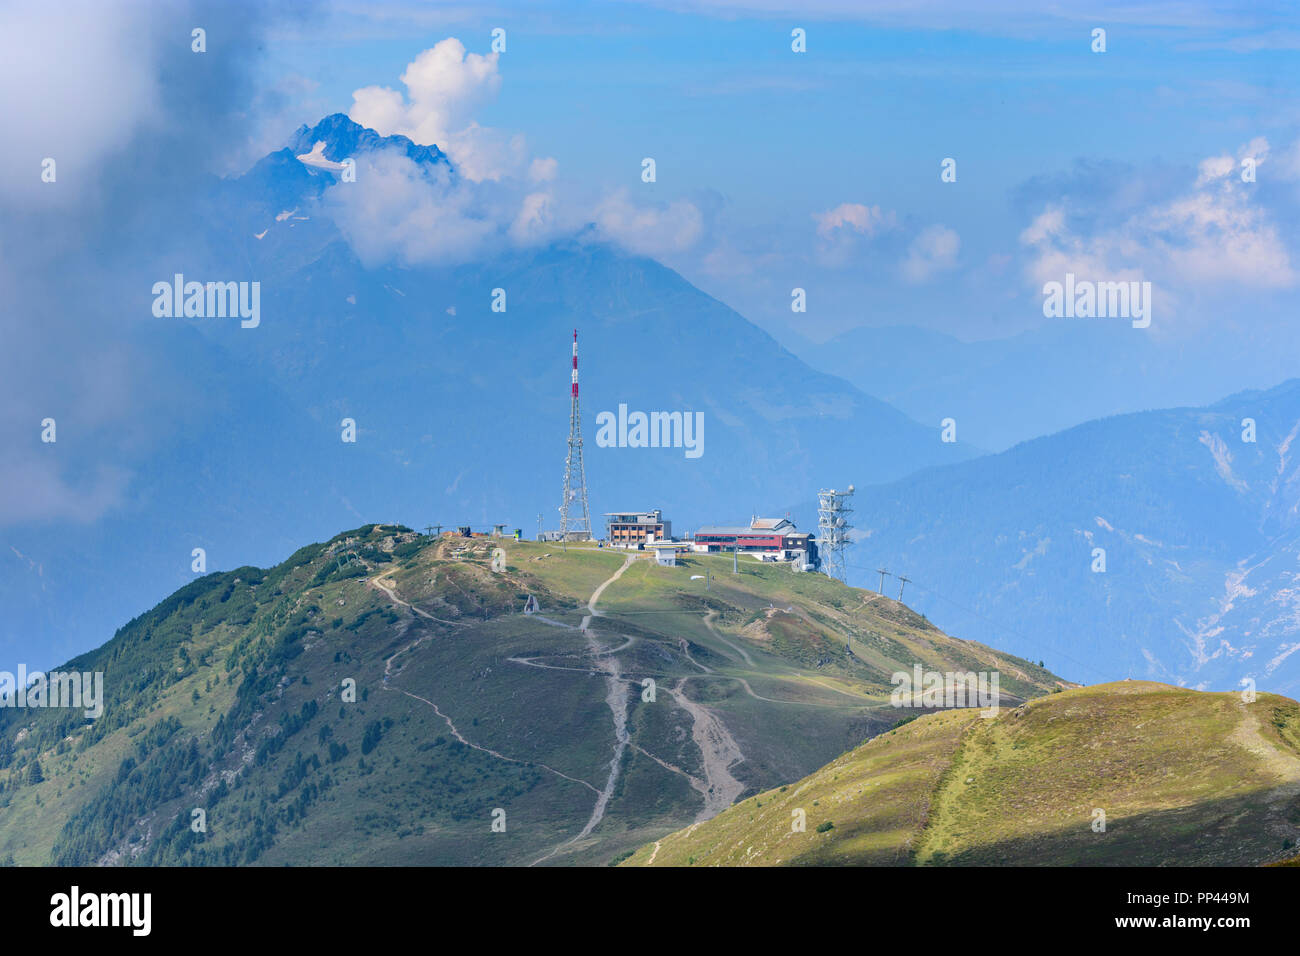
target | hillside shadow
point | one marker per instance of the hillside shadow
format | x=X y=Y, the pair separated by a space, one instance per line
x=1240 y=831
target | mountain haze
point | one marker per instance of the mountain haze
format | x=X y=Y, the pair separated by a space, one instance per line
x=461 y=412
x=1199 y=527
x=1003 y=391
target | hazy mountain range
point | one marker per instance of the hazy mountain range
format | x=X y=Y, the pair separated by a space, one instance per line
x=1198 y=525
x=462 y=412
x=1008 y=390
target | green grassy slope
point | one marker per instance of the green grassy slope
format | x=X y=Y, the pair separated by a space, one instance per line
x=1183 y=777
x=229 y=698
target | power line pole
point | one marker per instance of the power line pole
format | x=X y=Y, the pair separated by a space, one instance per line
x=735 y=559
x=883 y=572
x=902 y=581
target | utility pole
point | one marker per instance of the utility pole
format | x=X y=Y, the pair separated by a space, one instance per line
x=539 y=526
x=883 y=572
x=902 y=581
x=708 y=579
x=735 y=559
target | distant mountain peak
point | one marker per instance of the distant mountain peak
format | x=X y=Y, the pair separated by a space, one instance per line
x=343 y=137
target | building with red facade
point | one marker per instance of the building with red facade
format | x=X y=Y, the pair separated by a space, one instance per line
x=767 y=539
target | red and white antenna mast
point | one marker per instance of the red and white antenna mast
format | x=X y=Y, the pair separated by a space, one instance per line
x=575 y=517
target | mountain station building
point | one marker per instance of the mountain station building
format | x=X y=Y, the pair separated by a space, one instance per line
x=632 y=529
x=767 y=539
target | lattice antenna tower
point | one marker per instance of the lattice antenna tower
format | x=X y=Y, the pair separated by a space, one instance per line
x=575 y=516
x=833 y=510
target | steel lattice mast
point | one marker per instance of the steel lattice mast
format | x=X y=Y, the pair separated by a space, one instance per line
x=575 y=518
x=833 y=528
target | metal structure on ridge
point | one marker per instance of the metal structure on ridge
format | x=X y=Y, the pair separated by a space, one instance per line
x=575 y=516
x=833 y=528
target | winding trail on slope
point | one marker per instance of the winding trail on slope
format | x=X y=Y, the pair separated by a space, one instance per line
x=488 y=750
x=616 y=697
x=1282 y=762
x=455 y=732
x=708 y=622
x=719 y=751
x=388 y=589
x=695 y=782
x=685 y=646
x=709 y=618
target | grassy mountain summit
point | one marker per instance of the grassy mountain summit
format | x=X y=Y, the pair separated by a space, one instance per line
x=384 y=698
x=1183 y=778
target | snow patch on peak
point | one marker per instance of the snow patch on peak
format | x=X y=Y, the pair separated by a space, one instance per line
x=317 y=158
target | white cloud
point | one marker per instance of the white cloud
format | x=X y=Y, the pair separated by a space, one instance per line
x=1057 y=250
x=650 y=229
x=542 y=170
x=855 y=217
x=1219 y=237
x=482 y=154
x=536 y=220
x=1215 y=233
x=445 y=86
x=1215 y=168
x=499 y=195
x=73 y=87
x=400 y=210
x=933 y=250
x=841 y=231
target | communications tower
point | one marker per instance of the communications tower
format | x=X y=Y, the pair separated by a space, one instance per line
x=833 y=528
x=575 y=517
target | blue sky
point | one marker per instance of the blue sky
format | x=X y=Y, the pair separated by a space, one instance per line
x=760 y=139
